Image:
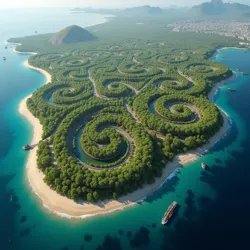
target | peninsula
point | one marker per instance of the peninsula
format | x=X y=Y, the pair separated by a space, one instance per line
x=116 y=116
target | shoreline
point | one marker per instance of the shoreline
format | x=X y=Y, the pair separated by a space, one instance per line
x=219 y=85
x=225 y=48
x=67 y=208
x=19 y=52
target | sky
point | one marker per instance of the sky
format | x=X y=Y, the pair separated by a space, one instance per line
x=102 y=3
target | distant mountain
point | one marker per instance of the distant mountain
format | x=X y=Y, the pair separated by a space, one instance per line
x=217 y=7
x=146 y=9
x=71 y=34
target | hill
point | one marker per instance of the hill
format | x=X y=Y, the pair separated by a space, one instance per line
x=71 y=34
x=146 y=9
x=217 y=7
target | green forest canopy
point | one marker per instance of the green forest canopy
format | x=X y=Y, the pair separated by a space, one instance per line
x=119 y=108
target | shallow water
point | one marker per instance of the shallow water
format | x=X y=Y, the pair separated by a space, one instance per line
x=214 y=204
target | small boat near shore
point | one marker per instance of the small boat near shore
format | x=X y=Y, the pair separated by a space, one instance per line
x=26 y=147
x=238 y=69
x=6 y=47
x=203 y=165
x=169 y=213
x=245 y=73
x=232 y=89
x=4 y=58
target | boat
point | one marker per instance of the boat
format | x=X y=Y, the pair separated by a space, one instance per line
x=245 y=73
x=203 y=165
x=238 y=69
x=26 y=147
x=4 y=58
x=232 y=89
x=222 y=56
x=6 y=47
x=11 y=198
x=169 y=213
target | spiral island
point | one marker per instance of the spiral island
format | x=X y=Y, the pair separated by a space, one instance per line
x=115 y=114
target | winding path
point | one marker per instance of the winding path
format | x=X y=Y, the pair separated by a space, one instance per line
x=133 y=114
x=94 y=86
x=185 y=76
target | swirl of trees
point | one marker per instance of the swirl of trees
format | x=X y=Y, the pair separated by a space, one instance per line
x=167 y=82
x=74 y=74
x=208 y=123
x=202 y=68
x=71 y=93
x=174 y=57
x=51 y=102
x=70 y=61
x=145 y=55
x=172 y=81
x=110 y=84
x=113 y=87
x=104 y=143
x=113 y=83
x=205 y=69
x=176 y=112
x=74 y=180
x=138 y=69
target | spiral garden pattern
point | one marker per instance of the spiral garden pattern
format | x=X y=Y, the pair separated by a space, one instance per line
x=113 y=116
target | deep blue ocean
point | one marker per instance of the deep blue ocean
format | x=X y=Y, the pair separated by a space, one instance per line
x=214 y=204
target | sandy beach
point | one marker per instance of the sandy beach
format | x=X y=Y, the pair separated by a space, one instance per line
x=68 y=208
x=225 y=48
x=19 y=52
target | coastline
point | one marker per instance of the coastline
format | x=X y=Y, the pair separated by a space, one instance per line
x=65 y=207
x=218 y=85
x=19 y=52
x=225 y=48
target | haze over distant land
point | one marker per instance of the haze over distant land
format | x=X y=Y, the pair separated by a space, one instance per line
x=105 y=4
x=218 y=7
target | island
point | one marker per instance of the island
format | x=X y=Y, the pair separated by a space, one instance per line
x=120 y=111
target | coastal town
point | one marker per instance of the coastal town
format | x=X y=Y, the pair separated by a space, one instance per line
x=230 y=29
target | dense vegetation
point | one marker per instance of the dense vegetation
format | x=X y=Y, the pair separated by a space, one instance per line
x=117 y=111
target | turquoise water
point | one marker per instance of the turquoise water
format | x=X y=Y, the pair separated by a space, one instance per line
x=214 y=204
